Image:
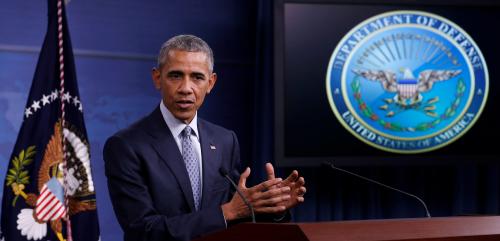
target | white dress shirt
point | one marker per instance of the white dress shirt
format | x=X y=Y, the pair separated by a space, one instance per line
x=176 y=127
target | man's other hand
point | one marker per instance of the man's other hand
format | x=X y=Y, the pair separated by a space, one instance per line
x=266 y=197
x=294 y=182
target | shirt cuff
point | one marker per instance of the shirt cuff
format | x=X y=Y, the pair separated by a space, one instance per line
x=225 y=221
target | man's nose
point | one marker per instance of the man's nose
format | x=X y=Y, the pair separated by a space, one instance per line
x=186 y=86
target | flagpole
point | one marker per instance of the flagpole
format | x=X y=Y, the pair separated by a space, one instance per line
x=63 y=113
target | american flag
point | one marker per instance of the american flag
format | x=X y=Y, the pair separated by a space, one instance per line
x=50 y=203
x=34 y=197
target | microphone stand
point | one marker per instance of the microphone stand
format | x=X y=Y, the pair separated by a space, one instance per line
x=330 y=164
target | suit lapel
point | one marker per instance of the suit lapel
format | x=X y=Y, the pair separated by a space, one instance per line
x=166 y=147
x=210 y=160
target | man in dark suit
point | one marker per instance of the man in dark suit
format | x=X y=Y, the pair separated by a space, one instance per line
x=163 y=171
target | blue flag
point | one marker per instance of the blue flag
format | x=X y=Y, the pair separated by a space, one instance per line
x=40 y=191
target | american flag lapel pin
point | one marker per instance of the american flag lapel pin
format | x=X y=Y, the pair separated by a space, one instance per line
x=212 y=147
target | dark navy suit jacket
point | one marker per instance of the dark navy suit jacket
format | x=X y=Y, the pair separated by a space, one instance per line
x=149 y=185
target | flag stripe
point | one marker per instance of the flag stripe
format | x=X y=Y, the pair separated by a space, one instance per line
x=61 y=213
x=42 y=196
x=50 y=210
x=54 y=205
x=45 y=209
x=44 y=205
x=55 y=211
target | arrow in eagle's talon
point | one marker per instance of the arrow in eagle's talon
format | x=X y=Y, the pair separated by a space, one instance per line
x=433 y=100
x=430 y=108
x=432 y=114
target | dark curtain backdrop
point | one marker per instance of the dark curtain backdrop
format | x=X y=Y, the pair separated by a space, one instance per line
x=448 y=190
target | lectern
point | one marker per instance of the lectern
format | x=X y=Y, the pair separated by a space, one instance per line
x=446 y=229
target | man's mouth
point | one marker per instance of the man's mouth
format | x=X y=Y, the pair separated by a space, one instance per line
x=184 y=104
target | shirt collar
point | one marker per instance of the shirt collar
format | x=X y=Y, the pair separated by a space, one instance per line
x=175 y=125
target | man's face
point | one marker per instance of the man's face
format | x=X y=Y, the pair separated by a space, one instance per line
x=183 y=81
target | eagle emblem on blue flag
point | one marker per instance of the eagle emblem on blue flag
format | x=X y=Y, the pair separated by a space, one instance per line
x=48 y=206
x=49 y=192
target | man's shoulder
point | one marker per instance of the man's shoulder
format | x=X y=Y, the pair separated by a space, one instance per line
x=213 y=128
x=210 y=125
x=153 y=123
x=217 y=134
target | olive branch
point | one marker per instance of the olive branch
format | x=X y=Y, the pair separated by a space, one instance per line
x=17 y=177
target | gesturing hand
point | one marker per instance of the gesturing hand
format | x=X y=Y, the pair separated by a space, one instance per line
x=294 y=182
x=264 y=197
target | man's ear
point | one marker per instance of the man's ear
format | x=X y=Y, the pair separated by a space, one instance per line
x=156 y=76
x=211 y=82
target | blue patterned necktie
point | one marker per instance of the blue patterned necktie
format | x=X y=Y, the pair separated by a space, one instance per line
x=192 y=165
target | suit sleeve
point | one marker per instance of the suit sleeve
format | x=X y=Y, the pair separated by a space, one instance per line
x=235 y=165
x=133 y=204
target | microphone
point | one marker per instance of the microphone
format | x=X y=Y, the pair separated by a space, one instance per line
x=224 y=173
x=330 y=164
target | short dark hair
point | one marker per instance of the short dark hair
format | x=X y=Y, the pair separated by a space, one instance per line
x=188 y=43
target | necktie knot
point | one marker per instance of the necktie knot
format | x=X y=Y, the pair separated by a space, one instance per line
x=187 y=131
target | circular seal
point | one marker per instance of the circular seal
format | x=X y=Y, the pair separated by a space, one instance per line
x=407 y=81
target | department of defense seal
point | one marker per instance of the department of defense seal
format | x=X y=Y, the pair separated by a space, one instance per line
x=407 y=81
